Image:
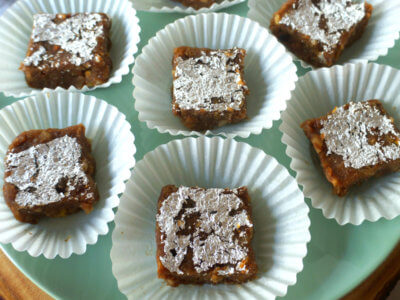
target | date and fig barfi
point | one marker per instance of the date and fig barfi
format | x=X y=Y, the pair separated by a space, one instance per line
x=317 y=31
x=68 y=50
x=50 y=173
x=204 y=236
x=208 y=89
x=355 y=142
x=196 y=4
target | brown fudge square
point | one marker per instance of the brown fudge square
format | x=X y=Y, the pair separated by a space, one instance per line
x=317 y=31
x=197 y=4
x=49 y=173
x=68 y=50
x=208 y=87
x=204 y=236
x=355 y=142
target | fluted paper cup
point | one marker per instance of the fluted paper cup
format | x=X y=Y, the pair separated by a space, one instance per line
x=380 y=35
x=169 y=6
x=16 y=26
x=316 y=94
x=280 y=216
x=112 y=147
x=269 y=72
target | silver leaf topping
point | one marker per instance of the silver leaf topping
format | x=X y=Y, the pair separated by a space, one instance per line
x=76 y=35
x=213 y=238
x=347 y=131
x=324 y=20
x=211 y=82
x=38 y=170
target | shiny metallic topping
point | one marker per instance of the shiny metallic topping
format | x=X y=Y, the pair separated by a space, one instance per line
x=36 y=57
x=212 y=237
x=324 y=20
x=226 y=271
x=358 y=135
x=76 y=35
x=211 y=82
x=46 y=173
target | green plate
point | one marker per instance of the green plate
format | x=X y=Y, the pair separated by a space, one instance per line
x=339 y=257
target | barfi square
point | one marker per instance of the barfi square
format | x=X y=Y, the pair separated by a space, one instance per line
x=197 y=4
x=204 y=236
x=317 y=31
x=208 y=87
x=68 y=50
x=355 y=142
x=50 y=173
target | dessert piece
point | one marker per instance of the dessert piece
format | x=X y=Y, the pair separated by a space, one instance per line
x=196 y=4
x=317 y=31
x=355 y=142
x=68 y=50
x=49 y=173
x=208 y=87
x=204 y=236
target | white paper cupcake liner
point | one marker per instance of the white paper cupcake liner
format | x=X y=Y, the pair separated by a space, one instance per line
x=169 y=6
x=16 y=26
x=380 y=35
x=280 y=217
x=316 y=94
x=112 y=147
x=269 y=72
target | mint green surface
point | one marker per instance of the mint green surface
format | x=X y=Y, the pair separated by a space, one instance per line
x=339 y=257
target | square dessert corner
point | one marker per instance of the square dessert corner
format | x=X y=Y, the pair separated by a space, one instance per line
x=204 y=236
x=197 y=4
x=68 y=50
x=50 y=173
x=208 y=87
x=355 y=142
x=317 y=31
